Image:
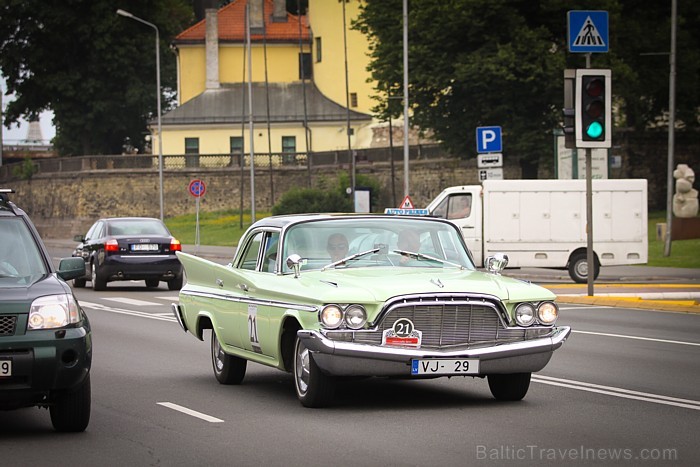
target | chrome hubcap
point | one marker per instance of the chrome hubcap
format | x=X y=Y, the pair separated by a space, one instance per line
x=217 y=353
x=302 y=368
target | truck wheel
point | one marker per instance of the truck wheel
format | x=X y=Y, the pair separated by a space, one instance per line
x=228 y=369
x=314 y=389
x=578 y=268
x=79 y=282
x=511 y=387
x=70 y=412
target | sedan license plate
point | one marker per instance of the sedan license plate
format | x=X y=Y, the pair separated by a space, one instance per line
x=445 y=366
x=5 y=368
x=144 y=247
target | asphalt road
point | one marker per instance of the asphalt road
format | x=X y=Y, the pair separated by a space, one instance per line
x=625 y=385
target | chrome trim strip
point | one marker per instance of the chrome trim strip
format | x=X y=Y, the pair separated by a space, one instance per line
x=255 y=301
x=317 y=342
x=177 y=311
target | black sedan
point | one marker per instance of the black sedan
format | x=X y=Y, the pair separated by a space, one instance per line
x=129 y=248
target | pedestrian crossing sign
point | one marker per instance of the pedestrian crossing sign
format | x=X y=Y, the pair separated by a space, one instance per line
x=588 y=31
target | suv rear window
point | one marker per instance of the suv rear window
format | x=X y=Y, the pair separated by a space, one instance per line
x=20 y=258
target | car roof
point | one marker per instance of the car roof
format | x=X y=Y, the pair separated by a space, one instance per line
x=289 y=219
x=129 y=218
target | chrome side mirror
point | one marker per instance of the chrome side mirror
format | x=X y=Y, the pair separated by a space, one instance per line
x=496 y=263
x=294 y=263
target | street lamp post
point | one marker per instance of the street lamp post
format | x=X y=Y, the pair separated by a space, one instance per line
x=160 y=133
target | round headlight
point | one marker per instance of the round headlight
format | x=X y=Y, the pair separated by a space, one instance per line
x=331 y=316
x=525 y=314
x=355 y=316
x=547 y=312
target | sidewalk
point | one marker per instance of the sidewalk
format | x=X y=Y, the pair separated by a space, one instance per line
x=667 y=289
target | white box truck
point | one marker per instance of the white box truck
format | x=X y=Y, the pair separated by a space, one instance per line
x=542 y=223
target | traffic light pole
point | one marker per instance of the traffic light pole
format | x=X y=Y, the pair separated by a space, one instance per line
x=589 y=211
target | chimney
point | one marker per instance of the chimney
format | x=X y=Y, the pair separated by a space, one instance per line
x=257 y=24
x=279 y=11
x=212 y=48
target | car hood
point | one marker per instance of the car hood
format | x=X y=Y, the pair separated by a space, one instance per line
x=357 y=285
x=18 y=293
x=380 y=284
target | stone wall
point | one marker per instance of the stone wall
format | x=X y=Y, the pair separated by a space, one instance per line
x=65 y=204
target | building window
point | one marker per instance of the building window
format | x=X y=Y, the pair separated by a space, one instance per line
x=305 y=68
x=353 y=99
x=289 y=148
x=191 y=152
x=236 y=150
x=319 y=54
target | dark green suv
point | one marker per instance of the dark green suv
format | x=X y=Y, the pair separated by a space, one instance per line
x=45 y=339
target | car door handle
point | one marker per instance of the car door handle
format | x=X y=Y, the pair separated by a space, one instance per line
x=220 y=282
x=243 y=287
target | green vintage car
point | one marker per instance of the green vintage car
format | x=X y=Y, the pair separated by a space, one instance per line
x=327 y=296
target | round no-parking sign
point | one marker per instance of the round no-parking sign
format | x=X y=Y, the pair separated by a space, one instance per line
x=197 y=188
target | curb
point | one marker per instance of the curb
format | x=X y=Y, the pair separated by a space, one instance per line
x=682 y=306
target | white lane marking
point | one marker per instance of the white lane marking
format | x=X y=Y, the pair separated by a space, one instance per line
x=140 y=314
x=618 y=392
x=130 y=301
x=169 y=298
x=651 y=339
x=193 y=413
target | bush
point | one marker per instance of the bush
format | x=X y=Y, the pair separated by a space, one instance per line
x=306 y=200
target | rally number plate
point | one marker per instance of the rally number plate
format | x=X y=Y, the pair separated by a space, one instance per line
x=5 y=368
x=445 y=366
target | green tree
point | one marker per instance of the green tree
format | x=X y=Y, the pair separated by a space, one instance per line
x=500 y=62
x=94 y=69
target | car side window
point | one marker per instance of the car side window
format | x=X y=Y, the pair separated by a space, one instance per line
x=249 y=260
x=460 y=206
x=270 y=256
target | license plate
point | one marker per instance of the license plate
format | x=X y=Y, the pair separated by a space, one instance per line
x=445 y=366
x=144 y=247
x=5 y=368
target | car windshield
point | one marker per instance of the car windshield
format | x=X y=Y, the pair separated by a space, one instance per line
x=137 y=227
x=338 y=243
x=20 y=258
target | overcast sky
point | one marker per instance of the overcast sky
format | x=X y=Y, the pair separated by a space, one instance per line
x=18 y=133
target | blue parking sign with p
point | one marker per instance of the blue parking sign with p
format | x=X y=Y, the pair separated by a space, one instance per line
x=488 y=139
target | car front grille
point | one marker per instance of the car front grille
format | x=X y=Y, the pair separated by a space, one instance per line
x=445 y=324
x=7 y=325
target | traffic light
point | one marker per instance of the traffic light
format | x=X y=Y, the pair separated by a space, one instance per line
x=593 y=109
x=569 y=126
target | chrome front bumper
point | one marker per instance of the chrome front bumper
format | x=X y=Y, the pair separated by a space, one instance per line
x=339 y=358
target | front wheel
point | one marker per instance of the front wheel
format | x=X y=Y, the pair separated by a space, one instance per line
x=578 y=268
x=314 y=389
x=70 y=412
x=511 y=387
x=228 y=369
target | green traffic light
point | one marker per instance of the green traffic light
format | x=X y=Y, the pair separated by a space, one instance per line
x=594 y=130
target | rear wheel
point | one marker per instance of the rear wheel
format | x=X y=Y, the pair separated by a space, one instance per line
x=176 y=283
x=79 y=282
x=314 y=389
x=152 y=282
x=98 y=283
x=228 y=369
x=578 y=268
x=512 y=387
x=71 y=411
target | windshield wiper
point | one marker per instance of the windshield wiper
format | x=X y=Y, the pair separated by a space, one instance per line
x=414 y=255
x=349 y=258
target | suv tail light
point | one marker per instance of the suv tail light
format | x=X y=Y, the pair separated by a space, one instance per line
x=175 y=245
x=111 y=245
